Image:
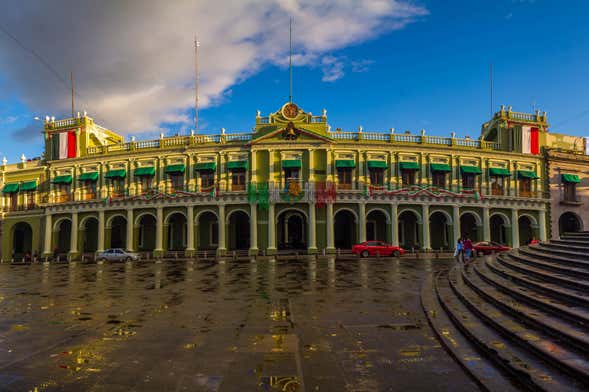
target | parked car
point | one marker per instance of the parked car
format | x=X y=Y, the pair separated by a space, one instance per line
x=489 y=247
x=117 y=255
x=371 y=248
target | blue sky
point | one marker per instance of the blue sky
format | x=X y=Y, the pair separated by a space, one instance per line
x=432 y=72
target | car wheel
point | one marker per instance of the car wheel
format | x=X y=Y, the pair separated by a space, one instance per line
x=396 y=253
x=102 y=259
x=364 y=253
x=128 y=259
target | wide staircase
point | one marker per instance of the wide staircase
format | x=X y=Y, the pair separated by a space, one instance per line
x=520 y=319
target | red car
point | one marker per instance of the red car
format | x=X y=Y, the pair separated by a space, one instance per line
x=371 y=248
x=489 y=247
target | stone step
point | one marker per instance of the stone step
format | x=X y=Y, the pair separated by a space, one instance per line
x=536 y=311
x=481 y=369
x=554 y=263
x=511 y=261
x=578 y=234
x=526 y=369
x=573 y=242
x=535 y=341
x=572 y=254
x=571 y=296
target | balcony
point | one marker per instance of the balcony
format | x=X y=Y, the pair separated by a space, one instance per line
x=237 y=187
x=20 y=208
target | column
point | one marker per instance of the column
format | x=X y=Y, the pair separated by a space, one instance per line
x=74 y=236
x=100 y=247
x=253 y=229
x=456 y=223
x=514 y=229
x=542 y=225
x=190 y=229
x=271 y=228
x=486 y=225
x=311 y=166
x=362 y=219
x=425 y=226
x=312 y=228
x=130 y=226
x=253 y=167
x=329 y=212
x=394 y=225
x=221 y=248
x=190 y=169
x=270 y=166
x=159 y=230
x=47 y=251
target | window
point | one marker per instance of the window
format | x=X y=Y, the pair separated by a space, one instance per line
x=144 y=184
x=13 y=201
x=291 y=173
x=408 y=177
x=238 y=180
x=570 y=191
x=439 y=179
x=176 y=182
x=62 y=192
x=525 y=187
x=344 y=177
x=497 y=185
x=207 y=178
x=376 y=176
x=118 y=187
x=30 y=196
x=468 y=181
x=89 y=188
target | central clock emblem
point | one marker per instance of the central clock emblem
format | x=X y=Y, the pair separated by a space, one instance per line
x=290 y=110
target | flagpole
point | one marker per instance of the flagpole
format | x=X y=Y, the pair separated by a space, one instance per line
x=290 y=62
x=196 y=44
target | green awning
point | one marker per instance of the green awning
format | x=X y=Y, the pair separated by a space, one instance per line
x=67 y=179
x=345 y=163
x=408 y=165
x=440 y=167
x=470 y=170
x=499 y=172
x=28 y=186
x=171 y=169
x=206 y=166
x=377 y=165
x=10 y=188
x=527 y=174
x=570 y=178
x=119 y=173
x=235 y=165
x=294 y=163
x=91 y=176
x=147 y=171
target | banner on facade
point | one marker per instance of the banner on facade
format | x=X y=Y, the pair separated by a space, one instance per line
x=63 y=145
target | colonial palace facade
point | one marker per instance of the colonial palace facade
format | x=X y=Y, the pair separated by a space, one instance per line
x=291 y=184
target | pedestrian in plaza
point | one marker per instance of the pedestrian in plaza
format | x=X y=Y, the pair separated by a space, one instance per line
x=458 y=255
x=467 y=249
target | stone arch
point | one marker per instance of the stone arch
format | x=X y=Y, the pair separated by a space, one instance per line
x=22 y=240
x=526 y=228
x=506 y=219
x=385 y=213
x=146 y=223
x=499 y=223
x=209 y=210
x=234 y=211
x=117 y=228
x=176 y=224
x=58 y=222
x=140 y=216
x=89 y=234
x=408 y=228
x=377 y=225
x=476 y=215
x=531 y=217
x=569 y=221
x=208 y=229
x=171 y=213
x=63 y=229
x=345 y=223
x=415 y=212
x=470 y=224
x=350 y=210
x=292 y=228
x=110 y=219
x=238 y=230
x=440 y=229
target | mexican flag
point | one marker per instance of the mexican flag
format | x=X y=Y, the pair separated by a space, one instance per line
x=530 y=141
x=63 y=145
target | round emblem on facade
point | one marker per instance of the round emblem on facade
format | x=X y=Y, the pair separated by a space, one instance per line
x=290 y=110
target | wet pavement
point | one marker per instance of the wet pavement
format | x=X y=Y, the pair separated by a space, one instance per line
x=183 y=326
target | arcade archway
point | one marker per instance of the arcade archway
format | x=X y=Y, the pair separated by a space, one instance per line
x=208 y=231
x=292 y=230
x=118 y=232
x=90 y=235
x=498 y=225
x=376 y=226
x=526 y=231
x=469 y=227
x=440 y=231
x=64 y=234
x=147 y=233
x=239 y=231
x=344 y=229
x=569 y=222
x=22 y=240
x=409 y=230
x=176 y=232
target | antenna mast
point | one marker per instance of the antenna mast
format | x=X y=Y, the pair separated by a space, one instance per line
x=290 y=63
x=72 y=86
x=196 y=44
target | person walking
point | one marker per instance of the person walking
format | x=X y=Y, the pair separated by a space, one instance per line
x=458 y=252
x=467 y=249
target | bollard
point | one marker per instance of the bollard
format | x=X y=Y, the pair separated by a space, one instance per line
x=324 y=250
x=205 y=254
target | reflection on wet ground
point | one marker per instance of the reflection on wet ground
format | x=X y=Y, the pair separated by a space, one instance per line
x=315 y=325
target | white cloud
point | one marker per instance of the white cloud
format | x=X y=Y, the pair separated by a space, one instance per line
x=133 y=60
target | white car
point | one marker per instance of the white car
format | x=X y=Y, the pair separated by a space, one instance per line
x=117 y=255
